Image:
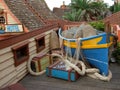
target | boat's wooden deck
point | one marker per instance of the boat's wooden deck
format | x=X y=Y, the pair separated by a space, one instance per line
x=84 y=83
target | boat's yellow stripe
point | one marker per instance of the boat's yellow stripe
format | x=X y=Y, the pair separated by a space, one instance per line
x=93 y=41
x=96 y=46
x=111 y=38
x=89 y=42
x=73 y=45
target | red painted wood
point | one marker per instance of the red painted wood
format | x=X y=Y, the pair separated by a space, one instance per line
x=16 y=86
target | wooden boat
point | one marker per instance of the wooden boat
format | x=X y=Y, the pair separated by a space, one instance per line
x=94 y=48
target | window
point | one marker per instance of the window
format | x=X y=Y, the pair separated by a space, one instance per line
x=3 y=16
x=40 y=43
x=21 y=53
x=2 y=20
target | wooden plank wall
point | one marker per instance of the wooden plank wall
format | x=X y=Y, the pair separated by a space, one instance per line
x=9 y=74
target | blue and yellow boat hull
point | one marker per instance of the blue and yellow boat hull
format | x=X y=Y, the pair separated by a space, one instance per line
x=95 y=49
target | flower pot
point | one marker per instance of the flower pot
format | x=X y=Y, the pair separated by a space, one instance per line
x=2 y=31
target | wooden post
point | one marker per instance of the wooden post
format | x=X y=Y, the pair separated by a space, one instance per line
x=107 y=27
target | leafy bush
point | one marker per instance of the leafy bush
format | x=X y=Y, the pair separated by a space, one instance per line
x=116 y=7
x=116 y=53
x=99 y=25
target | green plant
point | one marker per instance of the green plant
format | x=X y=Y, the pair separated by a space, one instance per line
x=116 y=53
x=116 y=7
x=99 y=25
x=86 y=10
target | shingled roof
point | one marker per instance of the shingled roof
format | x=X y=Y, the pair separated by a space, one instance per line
x=31 y=13
x=41 y=7
x=114 y=18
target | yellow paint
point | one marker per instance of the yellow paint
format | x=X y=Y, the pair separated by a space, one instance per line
x=97 y=46
x=89 y=44
x=86 y=42
x=111 y=38
x=92 y=41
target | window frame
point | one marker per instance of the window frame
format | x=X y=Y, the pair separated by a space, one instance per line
x=25 y=58
x=38 y=47
x=4 y=14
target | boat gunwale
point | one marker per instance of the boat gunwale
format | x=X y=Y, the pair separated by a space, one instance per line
x=82 y=39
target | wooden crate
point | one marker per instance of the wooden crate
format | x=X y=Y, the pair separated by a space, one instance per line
x=58 y=70
x=40 y=62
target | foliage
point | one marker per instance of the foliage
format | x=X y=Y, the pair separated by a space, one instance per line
x=72 y=16
x=85 y=10
x=116 y=7
x=99 y=9
x=111 y=8
x=69 y=16
x=99 y=25
x=116 y=53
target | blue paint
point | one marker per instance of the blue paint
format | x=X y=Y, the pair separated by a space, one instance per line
x=96 y=57
x=2 y=31
x=61 y=74
x=72 y=76
x=12 y=28
x=103 y=41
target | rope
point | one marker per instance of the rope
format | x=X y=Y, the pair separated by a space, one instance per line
x=91 y=72
x=85 y=68
x=68 y=63
x=78 y=65
x=77 y=50
x=31 y=71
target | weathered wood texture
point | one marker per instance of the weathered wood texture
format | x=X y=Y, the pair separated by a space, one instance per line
x=11 y=19
x=24 y=14
x=16 y=86
x=9 y=74
x=41 y=8
x=84 y=83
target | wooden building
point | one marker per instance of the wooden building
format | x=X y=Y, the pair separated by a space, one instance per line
x=27 y=29
x=35 y=22
x=16 y=48
x=60 y=11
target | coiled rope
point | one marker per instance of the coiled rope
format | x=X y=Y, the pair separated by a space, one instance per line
x=72 y=63
x=91 y=72
x=85 y=67
x=31 y=71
